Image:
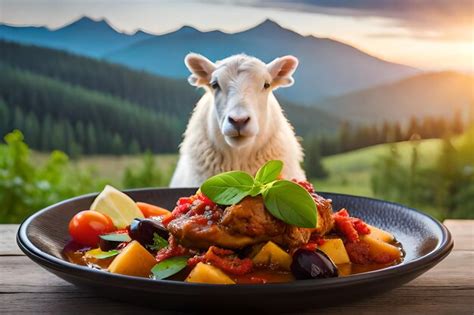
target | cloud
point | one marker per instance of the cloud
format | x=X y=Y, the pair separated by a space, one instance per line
x=431 y=19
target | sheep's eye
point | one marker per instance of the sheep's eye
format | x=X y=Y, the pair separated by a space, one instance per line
x=215 y=85
x=266 y=85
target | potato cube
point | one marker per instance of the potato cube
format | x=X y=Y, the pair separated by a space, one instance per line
x=334 y=248
x=272 y=254
x=134 y=260
x=344 y=270
x=380 y=234
x=381 y=252
x=204 y=273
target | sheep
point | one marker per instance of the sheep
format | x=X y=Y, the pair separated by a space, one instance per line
x=238 y=123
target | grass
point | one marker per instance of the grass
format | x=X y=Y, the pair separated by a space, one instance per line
x=112 y=167
x=349 y=172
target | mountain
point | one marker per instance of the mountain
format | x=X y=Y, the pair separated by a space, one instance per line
x=327 y=67
x=429 y=94
x=93 y=106
x=84 y=36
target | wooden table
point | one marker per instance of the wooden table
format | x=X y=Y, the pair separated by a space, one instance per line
x=446 y=289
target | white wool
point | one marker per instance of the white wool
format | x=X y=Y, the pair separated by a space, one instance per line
x=204 y=151
x=201 y=158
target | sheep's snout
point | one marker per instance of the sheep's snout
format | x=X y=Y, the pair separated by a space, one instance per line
x=238 y=122
x=239 y=127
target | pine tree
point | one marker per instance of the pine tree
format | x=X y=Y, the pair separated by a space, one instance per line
x=32 y=131
x=117 y=144
x=413 y=129
x=313 y=166
x=4 y=119
x=91 y=140
x=46 y=133
x=397 y=134
x=457 y=126
x=58 y=136
x=134 y=147
x=345 y=136
x=80 y=132
x=18 y=119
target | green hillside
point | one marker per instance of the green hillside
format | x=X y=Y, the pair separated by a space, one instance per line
x=431 y=94
x=350 y=172
x=57 y=115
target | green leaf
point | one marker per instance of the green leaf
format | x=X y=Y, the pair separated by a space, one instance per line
x=99 y=254
x=291 y=203
x=158 y=242
x=116 y=237
x=228 y=188
x=169 y=267
x=269 y=171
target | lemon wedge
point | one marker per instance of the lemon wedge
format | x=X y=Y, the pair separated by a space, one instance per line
x=117 y=205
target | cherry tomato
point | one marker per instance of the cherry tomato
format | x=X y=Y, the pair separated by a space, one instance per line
x=150 y=210
x=86 y=226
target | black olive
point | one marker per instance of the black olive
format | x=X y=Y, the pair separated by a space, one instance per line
x=143 y=230
x=308 y=264
x=113 y=240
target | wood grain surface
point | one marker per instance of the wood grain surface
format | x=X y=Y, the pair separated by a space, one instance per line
x=446 y=289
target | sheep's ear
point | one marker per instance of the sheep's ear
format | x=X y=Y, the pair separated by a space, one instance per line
x=281 y=69
x=201 y=69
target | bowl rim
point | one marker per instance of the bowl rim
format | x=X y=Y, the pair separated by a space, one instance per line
x=419 y=264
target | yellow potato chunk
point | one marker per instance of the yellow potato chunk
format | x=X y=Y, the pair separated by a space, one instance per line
x=134 y=260
x=272 y=255
x=344 y=270
x=334 y=248
x=380 y=251
x=380 y=234
x=204 y=273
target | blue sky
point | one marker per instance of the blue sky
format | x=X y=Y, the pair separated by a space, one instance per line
x=429 y=34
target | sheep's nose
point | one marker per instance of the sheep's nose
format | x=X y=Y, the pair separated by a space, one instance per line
x=239 y=122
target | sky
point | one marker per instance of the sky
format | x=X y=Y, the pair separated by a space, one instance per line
x=427 y=34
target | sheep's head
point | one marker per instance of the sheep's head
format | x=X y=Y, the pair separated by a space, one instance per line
x=240 y=86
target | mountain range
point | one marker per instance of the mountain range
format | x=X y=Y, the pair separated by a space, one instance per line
x=327 y=67
x=438 y=94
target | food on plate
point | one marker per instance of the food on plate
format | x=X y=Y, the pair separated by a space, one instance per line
x=312 y=264
x=150 y=210
x=235 y=229
x=86 y=227
x=117 y=205
x=334 y=248
x=133 y=260
x=204 y=273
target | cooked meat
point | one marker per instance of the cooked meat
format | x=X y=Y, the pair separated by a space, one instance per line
x=293 y=237
x=325 y=219
x=249 y=217
x=194 y=232
x=244 y=224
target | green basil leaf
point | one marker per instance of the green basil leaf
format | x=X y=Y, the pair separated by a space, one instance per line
x=291 y=203
x=98 y=254
x=169 y=267
x=116 y=237
x=269 y=171
x=158 y=242
x=228 y=188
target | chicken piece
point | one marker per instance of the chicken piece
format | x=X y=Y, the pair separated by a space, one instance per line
x=246 y=223
x=325 y=219
x=249 y=217
x=194 y=232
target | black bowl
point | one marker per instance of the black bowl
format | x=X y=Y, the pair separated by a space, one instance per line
x=426 y=242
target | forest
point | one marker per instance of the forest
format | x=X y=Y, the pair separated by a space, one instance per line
x=86 y=106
